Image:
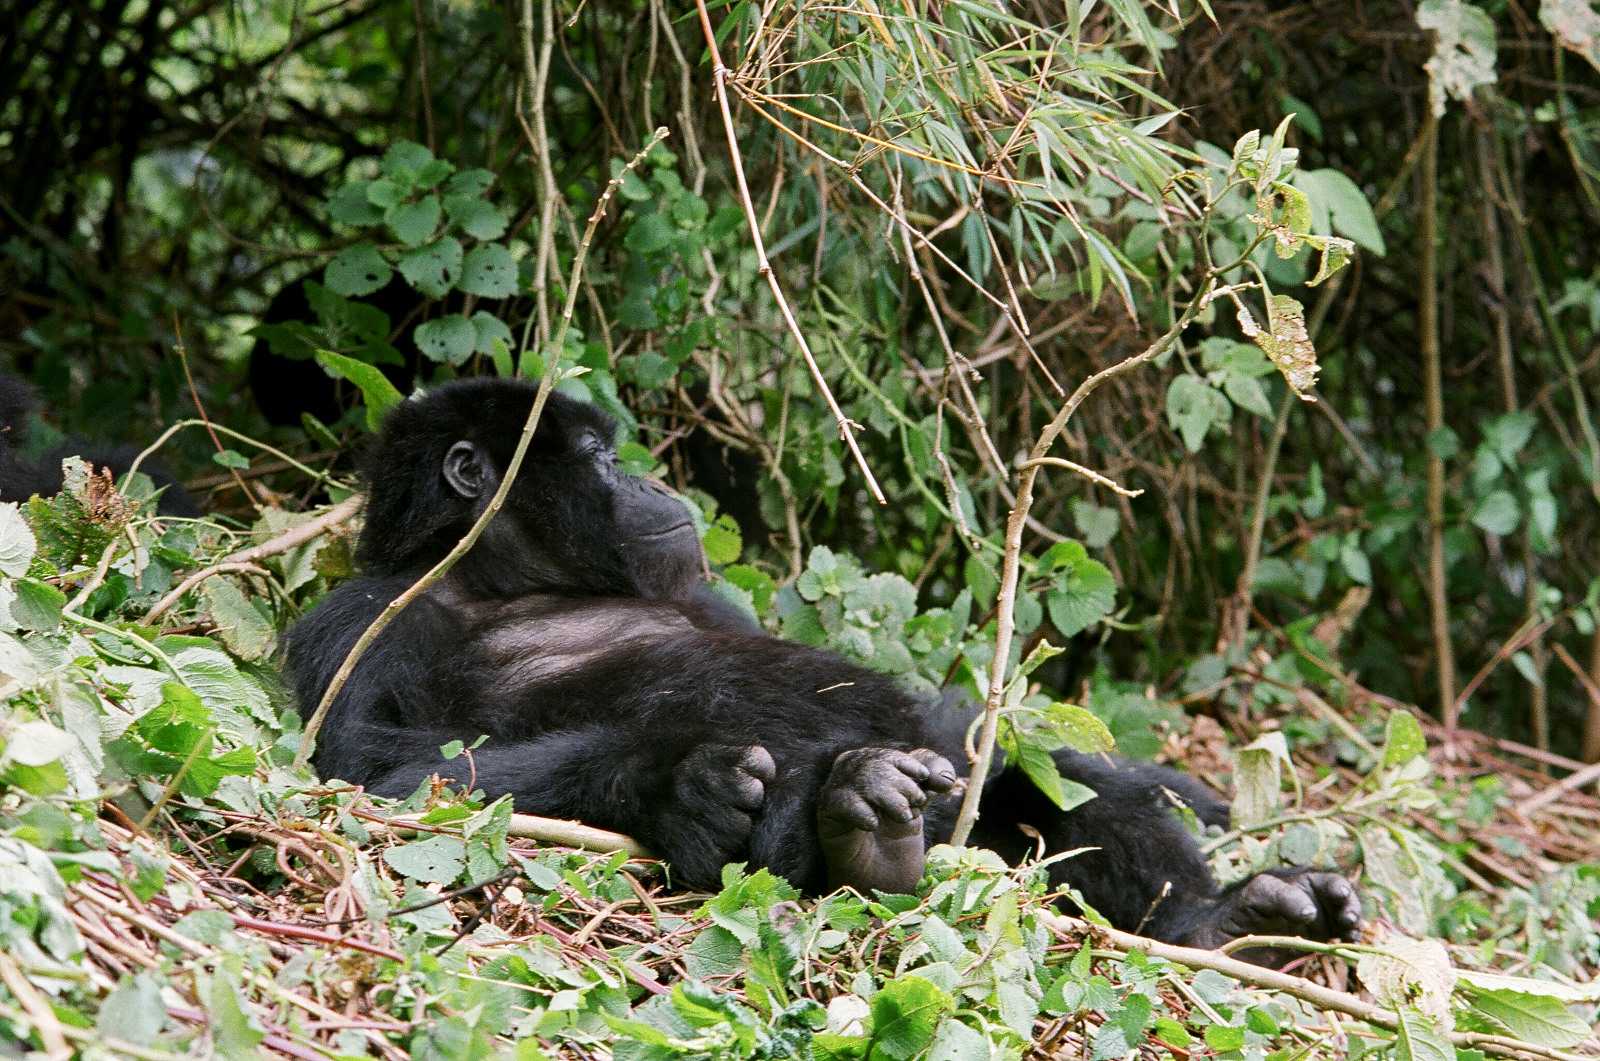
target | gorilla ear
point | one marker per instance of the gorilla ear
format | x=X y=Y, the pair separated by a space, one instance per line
x=469 y=471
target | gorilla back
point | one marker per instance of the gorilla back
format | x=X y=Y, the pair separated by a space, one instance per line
x=577 y=637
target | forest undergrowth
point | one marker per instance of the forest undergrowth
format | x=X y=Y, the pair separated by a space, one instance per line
x=174 y=888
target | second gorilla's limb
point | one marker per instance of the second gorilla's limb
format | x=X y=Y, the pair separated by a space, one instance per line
x=869 y=818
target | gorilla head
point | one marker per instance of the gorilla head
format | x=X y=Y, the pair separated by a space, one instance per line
x=574 y=523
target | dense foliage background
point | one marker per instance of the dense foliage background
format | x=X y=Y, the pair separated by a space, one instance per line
x=242 y=230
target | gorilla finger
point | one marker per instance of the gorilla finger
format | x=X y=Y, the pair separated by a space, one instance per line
x=1271 y=896
x=896 y=797
x=941 y=775
x=757 y=762
x=846 y=805
x=1340 y=902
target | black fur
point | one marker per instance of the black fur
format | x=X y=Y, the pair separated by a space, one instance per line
x=613 y=694
x=21 y=478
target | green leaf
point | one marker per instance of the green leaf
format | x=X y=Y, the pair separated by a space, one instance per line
x=475 y=217
x=357 y=270
x=1402 y=739
x=351 y=205
x=1258 y=781
x=433 y=269
x=1508 y=433
x=1498 y=513
x=1193 y=407
x=1443 y=442
x=649 y=234
x=1417 y=1039
x=376 y=390
x=244 y=630
x=471 y=182
x=17 y=543
x=234 y=1032
x=490 y=328
x=1079 y=728
x=1082 y=595
x=904 y=1016
x=489 y=271
x=1097 y=523
x=1537 y=1019
x=1248 y=394
x=403 y=159
x=134 y=1012
x=722 y=542
x=437 y=860
x=413 y=222
x=230 y=458
x=1347 y=206
x=37 y=605
x=451 y=339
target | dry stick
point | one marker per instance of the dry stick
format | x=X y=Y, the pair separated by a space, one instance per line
x=1016 y=521
x=764 y=267
x=1325 y=998
x=1591 y=721
x=1433 y=409
x=440 y=569
x=296 y=536
x=194 y=580
x=161 y=440
x=40 y=1015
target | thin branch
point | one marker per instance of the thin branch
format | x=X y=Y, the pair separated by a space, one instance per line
x=194 y=580
x=764 y=267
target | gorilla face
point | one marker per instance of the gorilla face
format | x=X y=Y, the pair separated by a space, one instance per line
x=573 y=522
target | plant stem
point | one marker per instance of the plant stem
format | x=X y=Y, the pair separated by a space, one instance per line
x=440 y=569
x=1010 y=568
x=764 y=267
x=1433 y=411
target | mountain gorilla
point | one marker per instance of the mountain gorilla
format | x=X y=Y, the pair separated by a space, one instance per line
x=614 y=692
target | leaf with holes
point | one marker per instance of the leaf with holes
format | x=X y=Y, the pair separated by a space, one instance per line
x=490 y=328
x=450 y=339
x=489 y=271
x=1193 y=406
x=357 y=270
x=436 y=860
x=433 y=269
x=1287 y=344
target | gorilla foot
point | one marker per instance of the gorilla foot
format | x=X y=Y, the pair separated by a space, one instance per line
x=869 y=819
x=1314 y=905
x=717 y=790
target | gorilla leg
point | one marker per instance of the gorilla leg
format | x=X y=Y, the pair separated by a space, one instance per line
x=1143 y=869
x=869 y=819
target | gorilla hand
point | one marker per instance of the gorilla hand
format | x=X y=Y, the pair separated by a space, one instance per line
x=870 y=816
x=715 y=791
x=1307 y=903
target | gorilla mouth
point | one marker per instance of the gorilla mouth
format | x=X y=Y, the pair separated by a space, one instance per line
x=655 y=536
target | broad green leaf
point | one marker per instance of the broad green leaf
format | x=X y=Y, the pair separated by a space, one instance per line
x=433 y=269
x=357 y=270
x=490 y=329
x=1537 y=1019
x=1417 y=1039
x=1082 y=595
x=376 y=390
x=134 y=1012
x=1414 y=975
x=437 y=860
x=1247 y=393
x=351 y=205
x=1402 y=738
x=1097 y=523
x=1080 y=729
x=1258 y=782
x=235 y=1034
x=1498 y=513
x=37 y=605
x=243 y=629
x=17 y=543
x=403 y=159
x=1348 y=207
x=451 y=339
x=1193 y=407
x=489 y=271
x=476 y=217
x=412 y=223
x=722 y=542
x=905 y=1014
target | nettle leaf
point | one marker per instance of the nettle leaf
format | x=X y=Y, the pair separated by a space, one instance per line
x=1193 y=406
x=357 y=270
x=1258 y=781
x=722 y=542
x=1464 y=52
x=1536 y=1019
x=437 y=860
x=1084 y=591
x=471 y=182
x=37 y=605
x=404 y=159
x=476 y=217
x=1097 y=523
x=1287 y=344
x=451 y=339
x=904 y=1016
x=1411 y=973
x=489 y=271
x=244 y=630
x=433 y=269
x=413 y=222
x=17 y=543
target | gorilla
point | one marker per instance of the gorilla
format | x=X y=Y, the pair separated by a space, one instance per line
x=576 y=635
x=21 y=477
